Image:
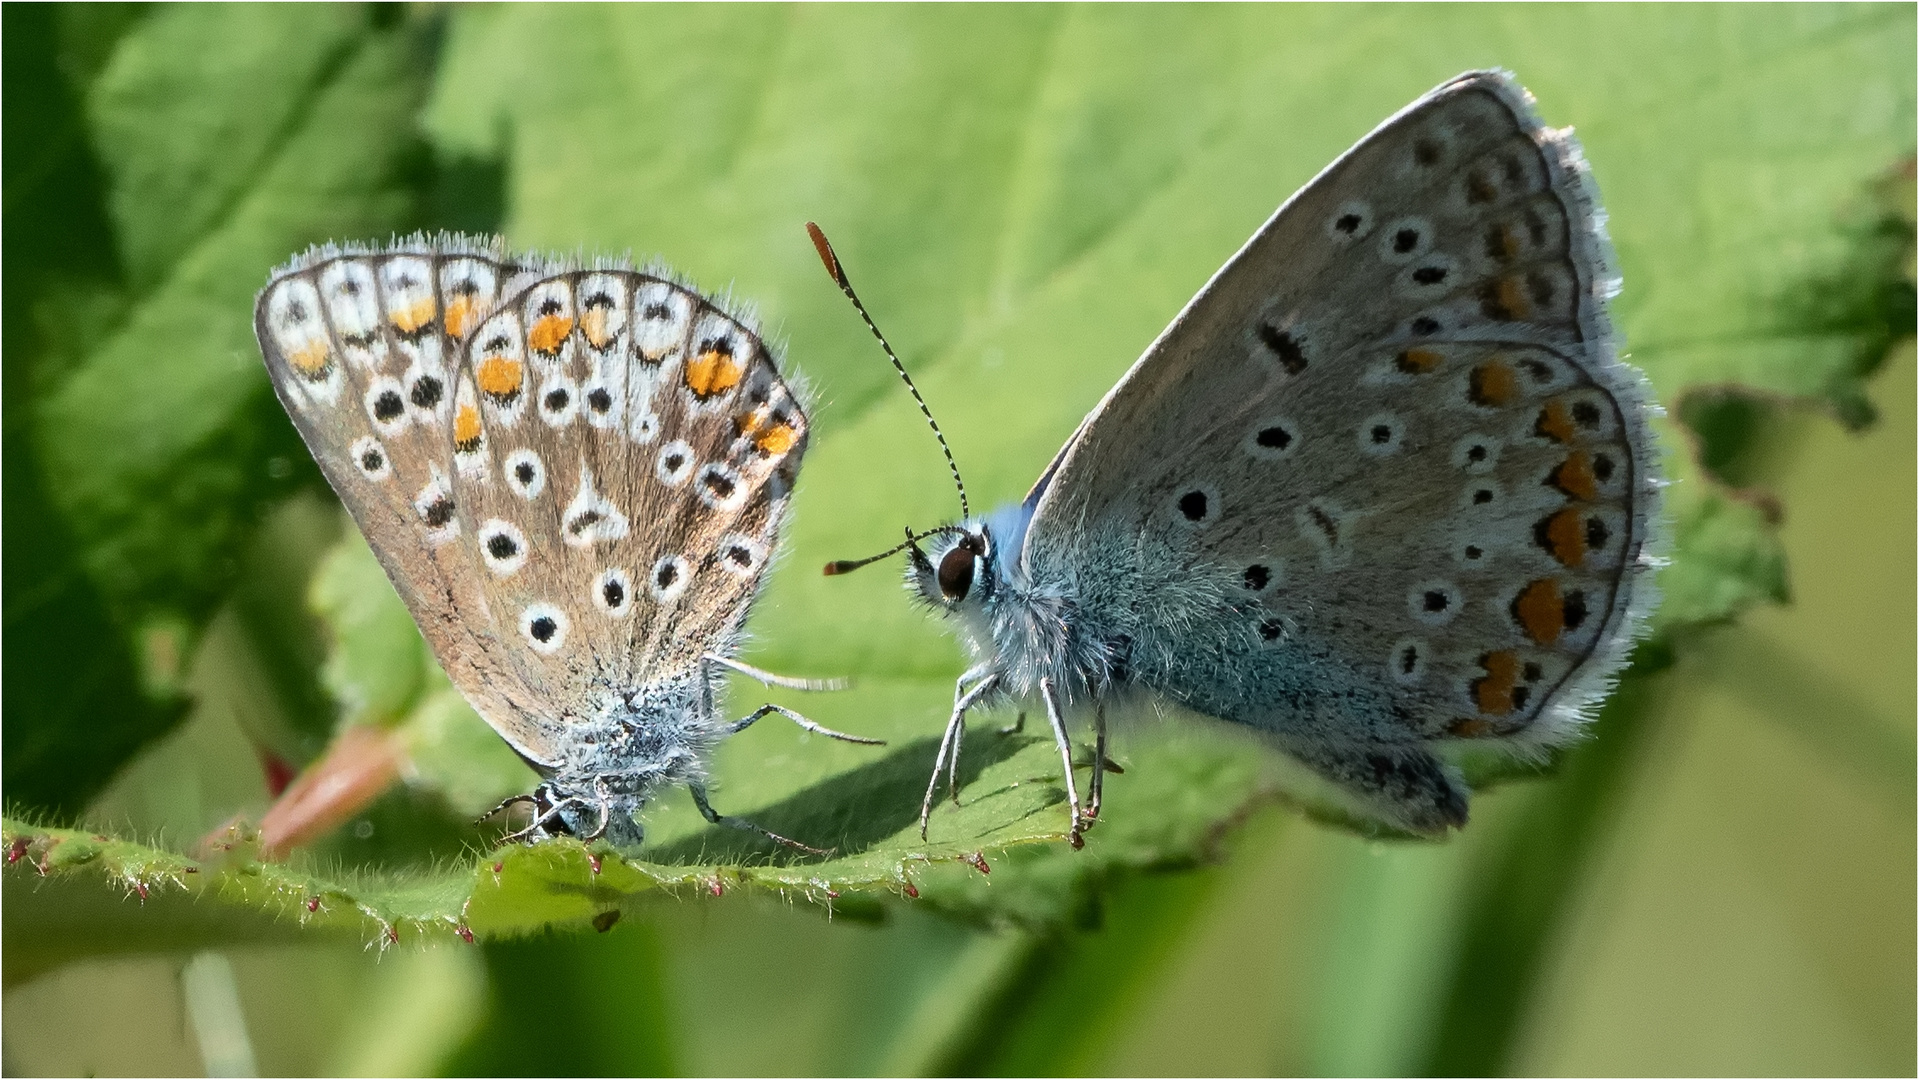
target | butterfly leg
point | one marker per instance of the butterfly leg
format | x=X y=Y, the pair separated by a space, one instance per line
x=767 y=678
x=606 y=812
x=1058 y=720
x=717 y=818
x=1098 y=782
x=509 y=801
x=741 y=725
x=540 y=819
x=963 y=699
x=1018 y=725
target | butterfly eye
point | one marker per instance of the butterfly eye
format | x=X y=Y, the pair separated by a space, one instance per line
x=956 y=573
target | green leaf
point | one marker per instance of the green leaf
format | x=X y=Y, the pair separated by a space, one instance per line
x=158 y=443
x=1025 y=197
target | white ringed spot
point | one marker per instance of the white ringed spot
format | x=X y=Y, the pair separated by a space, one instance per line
x=524 y=473
x=669 y=578
x=741 y=555
x=502 y=546
x=370 y=458
x=386 y=406
x=1435 y=603
x=544 y=627
x=720 y=487
x=675 y=463
x=613 y=593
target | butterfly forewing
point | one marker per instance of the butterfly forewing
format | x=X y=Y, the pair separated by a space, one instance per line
x=622 y=452
x=362 y=348
x=1394 y=433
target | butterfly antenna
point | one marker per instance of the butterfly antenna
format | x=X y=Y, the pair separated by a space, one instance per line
x=833 y=267
x=847 y=566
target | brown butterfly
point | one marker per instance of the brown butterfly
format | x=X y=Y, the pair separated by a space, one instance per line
x=574 y=476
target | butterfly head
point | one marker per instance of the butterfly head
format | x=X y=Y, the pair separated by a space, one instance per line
x=957 y=572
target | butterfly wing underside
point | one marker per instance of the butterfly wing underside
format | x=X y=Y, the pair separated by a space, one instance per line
x=622 y=452
x=1395 y=432
x=362 y=349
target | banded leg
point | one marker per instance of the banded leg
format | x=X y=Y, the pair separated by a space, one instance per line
x=1058 y=720
x=717 y=818
x=963 y=699
x=767 y=678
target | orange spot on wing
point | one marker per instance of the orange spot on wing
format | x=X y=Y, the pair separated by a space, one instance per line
x=549 y=334
x=1493 y=692
x=1564 y=535
x=1419 y=361
x=1492 y=384
x=1574 y=476
x=1555 y=422
x=459 y=311
x=713 y=372
x=408 y=319
x=593 y=325
x=466 y=429
x=777 y=439
x=500 y=378
x=1541 y=611
x=311 y=359
x=1470 y=728
x=1502 y=243
x=1505 y=300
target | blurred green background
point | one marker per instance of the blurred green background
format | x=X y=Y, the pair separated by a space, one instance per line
x=1721 y=881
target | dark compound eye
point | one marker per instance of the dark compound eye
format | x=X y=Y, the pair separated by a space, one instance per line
x=956 y=573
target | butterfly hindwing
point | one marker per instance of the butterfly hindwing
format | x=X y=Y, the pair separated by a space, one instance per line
x=1394 y=445
x=622 y=452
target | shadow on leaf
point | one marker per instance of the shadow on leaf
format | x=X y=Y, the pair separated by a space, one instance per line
x=848 y=813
